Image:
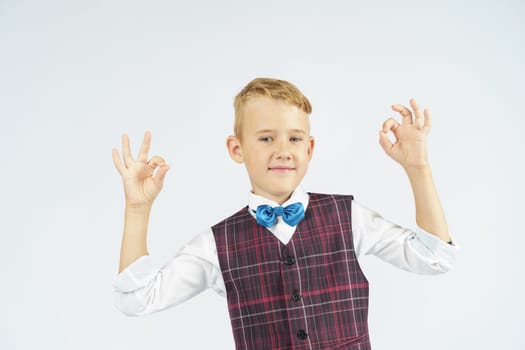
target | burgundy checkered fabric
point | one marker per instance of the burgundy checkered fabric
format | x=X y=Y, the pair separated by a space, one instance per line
x=307 y=294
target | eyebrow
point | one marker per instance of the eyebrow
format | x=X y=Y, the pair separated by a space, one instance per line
x=296 y=131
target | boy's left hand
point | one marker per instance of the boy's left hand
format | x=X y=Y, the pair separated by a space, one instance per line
x=409 y=148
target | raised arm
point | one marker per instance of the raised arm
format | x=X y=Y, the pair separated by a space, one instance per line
x=409 y=150
x=141 y=187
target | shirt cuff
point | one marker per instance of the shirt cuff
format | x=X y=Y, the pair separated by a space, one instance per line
x=136 y=275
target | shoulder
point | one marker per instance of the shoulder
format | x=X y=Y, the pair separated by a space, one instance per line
x=329 y=201
x=320 y=197
x=238 y=216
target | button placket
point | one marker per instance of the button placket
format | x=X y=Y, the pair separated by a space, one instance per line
x=295 y=295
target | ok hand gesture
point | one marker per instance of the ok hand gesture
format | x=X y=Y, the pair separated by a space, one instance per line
x=409 y=148
x=140 y=186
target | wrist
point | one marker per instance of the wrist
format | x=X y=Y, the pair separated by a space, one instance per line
x=419 y=170
x=138 y=208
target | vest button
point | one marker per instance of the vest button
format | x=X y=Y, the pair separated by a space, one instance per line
x=302 y=334
x=296 y=296
x=289 y=260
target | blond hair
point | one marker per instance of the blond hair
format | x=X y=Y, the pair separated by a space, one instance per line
x=273 y=88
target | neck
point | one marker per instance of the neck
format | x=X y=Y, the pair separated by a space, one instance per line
x=276 y=198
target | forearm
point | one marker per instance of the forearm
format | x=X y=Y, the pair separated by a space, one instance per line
x=429 y=212
x=134 y=237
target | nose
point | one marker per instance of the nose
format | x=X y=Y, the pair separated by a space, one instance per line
x=282 y=151
x=284 y=156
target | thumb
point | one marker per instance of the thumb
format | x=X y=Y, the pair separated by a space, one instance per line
x=385 y=142
x=161 y=173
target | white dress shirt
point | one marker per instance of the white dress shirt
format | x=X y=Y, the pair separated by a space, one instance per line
x=147 y=286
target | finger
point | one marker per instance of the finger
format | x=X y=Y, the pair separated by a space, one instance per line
x=126 y=151
x=159 y=177
x=418 y=115
x=116 y=160
x=428 y=121
x=144 y=148
x=390 y=125
x=405 y=112
x=156 y=161
x=385 y=142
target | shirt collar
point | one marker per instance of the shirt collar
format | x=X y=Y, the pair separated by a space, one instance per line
x=299 y=195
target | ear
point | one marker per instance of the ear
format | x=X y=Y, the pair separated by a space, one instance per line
x=311 y=144
x=234 y=148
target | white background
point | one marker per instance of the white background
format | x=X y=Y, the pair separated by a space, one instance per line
x=75 y=75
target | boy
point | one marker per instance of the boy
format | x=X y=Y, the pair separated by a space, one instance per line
x=287 y=262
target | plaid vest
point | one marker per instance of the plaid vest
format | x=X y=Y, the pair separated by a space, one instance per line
x=307 y=294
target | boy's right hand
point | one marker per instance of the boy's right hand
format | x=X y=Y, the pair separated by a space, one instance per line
x=140 y=186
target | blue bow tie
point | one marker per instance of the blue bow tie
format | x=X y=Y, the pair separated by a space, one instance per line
x=267 y=216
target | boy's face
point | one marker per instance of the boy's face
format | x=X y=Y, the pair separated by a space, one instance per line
x=275 y=146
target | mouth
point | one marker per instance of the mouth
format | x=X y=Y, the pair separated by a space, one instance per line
x=281 y=169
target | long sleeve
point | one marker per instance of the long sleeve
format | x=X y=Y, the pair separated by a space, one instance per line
x=147 y=285
x=416 y=250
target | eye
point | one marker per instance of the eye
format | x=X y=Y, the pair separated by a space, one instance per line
x=295 y=139
x=266 y=139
